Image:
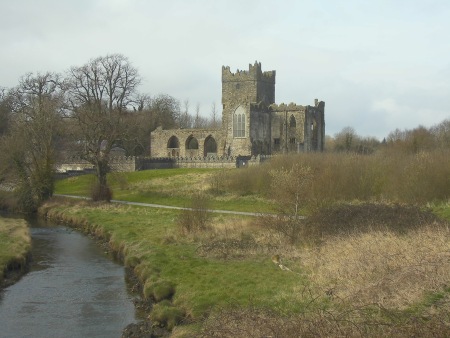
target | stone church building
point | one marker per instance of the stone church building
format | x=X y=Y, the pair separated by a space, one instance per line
x=252 y=123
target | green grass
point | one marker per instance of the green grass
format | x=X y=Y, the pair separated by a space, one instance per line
x=443 y=210
x=15 y=243
x=169 y=262
x=173 y=187
x=145 y=236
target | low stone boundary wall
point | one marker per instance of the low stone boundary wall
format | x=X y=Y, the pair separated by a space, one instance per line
x=129 y=164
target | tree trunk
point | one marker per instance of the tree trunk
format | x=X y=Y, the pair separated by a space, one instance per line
x=101 y=191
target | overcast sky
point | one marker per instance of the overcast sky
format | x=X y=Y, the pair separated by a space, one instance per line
x=378 y=64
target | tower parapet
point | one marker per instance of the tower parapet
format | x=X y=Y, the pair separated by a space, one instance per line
x=286 y=107
x=247 y=86
x=254 y=73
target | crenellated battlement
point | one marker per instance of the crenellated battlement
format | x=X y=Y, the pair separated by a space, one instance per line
x=254 y=73
x=252 y=124
x=286 y=107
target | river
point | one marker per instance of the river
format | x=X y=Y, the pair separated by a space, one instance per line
x=73 y=289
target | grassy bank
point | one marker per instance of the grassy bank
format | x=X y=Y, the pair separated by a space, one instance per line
x=15 y=245
x=387 y=279
x=174 y=187
x=370 y=259
x=175 y=266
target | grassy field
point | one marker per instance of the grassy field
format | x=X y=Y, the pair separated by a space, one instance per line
x=361 y=268
x=173 y=187
x=162 y=256
x=15 y=244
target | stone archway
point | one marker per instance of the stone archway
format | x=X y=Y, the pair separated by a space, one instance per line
x=191 y=146
x=173 y=147
x=210 y=148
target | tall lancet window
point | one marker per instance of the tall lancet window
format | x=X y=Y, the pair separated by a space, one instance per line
x=292 y=122
x=239 y=122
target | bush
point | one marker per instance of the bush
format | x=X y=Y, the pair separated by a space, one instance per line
x=165 y=314
x=344 y=219
x=159 y=290
x=101 y=192
x=196 y=216
x=26 y=201
x=385 y=176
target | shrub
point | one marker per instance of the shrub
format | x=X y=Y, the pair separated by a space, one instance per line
x=165 y=314
x=196 y=216
x=159 y=290
x=26 y=201
x=101 y=192
x=387 y=175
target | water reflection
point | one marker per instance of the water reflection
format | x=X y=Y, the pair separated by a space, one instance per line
x=72 y=290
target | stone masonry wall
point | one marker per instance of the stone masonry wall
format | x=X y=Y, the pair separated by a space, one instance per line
x=269 y=128
x=160 y=147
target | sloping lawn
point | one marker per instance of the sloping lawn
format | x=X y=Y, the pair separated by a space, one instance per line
x=174 y=187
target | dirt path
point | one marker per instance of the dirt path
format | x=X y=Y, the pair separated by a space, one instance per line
x=152 y=205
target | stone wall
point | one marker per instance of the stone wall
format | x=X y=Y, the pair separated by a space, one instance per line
x=130 y=164
x=117 y=164
x=249 y=96
x=249 y=86
x=178 y=142
x=200 y=162
x=241 y=91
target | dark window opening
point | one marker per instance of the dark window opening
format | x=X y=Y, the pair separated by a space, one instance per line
x=191 y=143
x=292 y=122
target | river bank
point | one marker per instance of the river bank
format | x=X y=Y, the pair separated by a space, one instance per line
x=143 y=328
x=196 y=282
x=72 y=285
x=14 y=251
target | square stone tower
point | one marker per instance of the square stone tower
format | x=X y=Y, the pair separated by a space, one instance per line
x=252 y=123
x=240 y=91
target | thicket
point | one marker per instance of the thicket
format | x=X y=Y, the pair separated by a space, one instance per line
x=367 y=242
x=405 y=141
x=334 y=177
x=354 y=269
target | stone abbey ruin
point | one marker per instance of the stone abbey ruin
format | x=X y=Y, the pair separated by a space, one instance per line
x=252 y=123
x=253 y=128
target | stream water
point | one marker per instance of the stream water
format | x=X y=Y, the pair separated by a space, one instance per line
x=73 y=289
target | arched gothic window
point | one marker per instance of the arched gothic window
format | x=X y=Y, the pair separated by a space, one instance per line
x=173 y=142
x=239 y=122
x=191 y=143
x=292 y=122
x=210 y=146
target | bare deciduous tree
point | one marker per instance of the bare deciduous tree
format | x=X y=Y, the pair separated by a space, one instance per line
x=289 y=189
x=29 y=146
x=4 y=111
x=214 y=123
x=100 y=94
x=160 y=111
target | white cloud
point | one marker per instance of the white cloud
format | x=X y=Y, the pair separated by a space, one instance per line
x=379 y=65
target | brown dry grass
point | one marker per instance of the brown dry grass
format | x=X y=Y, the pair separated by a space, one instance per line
x=15 y=244
x=407 y=178
x=374 y=270
x=185 y=184
x=382 y=267
x=240 y=238
x=321 y=322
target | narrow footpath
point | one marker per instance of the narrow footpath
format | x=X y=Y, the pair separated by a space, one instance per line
x=152 y=205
